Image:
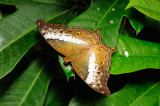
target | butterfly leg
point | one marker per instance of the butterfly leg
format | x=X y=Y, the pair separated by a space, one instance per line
x=74 y=73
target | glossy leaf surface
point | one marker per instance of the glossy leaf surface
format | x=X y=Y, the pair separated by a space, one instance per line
x=140 y=89
x=107 y=10
x=18 y=30
x=149 y=7
x=27 y=86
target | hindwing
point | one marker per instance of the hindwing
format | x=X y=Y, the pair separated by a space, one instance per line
x=93 y=67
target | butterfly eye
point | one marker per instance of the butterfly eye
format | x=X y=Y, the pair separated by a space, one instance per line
x=101 y=62
x=77 y=33
x=91 y=40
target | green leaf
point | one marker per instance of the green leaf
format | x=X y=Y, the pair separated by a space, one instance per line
x=104 y=14
x=136 y=19
x=141 y=89
x=19 y=32
x=66 y=67
x=149 y=7
x=107 y=15
x=146 y=94
x=133 y=55
x=27 y=86
x=58 y=94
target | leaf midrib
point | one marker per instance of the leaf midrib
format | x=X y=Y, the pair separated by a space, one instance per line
x=31 y=30
x=105 y=15
x=144 y=93
x=32 y=84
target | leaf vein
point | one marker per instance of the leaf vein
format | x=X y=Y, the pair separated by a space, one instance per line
x=32 y=84
x=145 y=92
x=105 y=14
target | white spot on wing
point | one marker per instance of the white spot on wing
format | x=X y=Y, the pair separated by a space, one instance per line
x=91 y=69
x=64 y=38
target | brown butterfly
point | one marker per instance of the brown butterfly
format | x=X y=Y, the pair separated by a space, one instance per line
x=90 y=58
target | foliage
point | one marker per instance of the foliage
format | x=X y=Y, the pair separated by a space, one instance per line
x=31 y=74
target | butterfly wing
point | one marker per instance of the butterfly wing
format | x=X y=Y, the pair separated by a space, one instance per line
x=54 y=35
x=84 y=49
x=93 y=68
x=65 y=39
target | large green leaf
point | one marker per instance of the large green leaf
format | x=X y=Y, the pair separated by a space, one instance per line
x=133 y=55
x=59 y=93
x=148 y=7
x=136 y=19
x=27 y=86
x=17 y=31
x=104 y=14
x=108 y=16
x=146 y=94
x=142 y=89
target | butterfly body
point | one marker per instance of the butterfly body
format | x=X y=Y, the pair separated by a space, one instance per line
x=90 y=58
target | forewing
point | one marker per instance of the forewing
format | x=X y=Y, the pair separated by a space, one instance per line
x=66 y=39
x=60 y=37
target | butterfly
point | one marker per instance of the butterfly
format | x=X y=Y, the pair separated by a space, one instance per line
x=90 y=58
